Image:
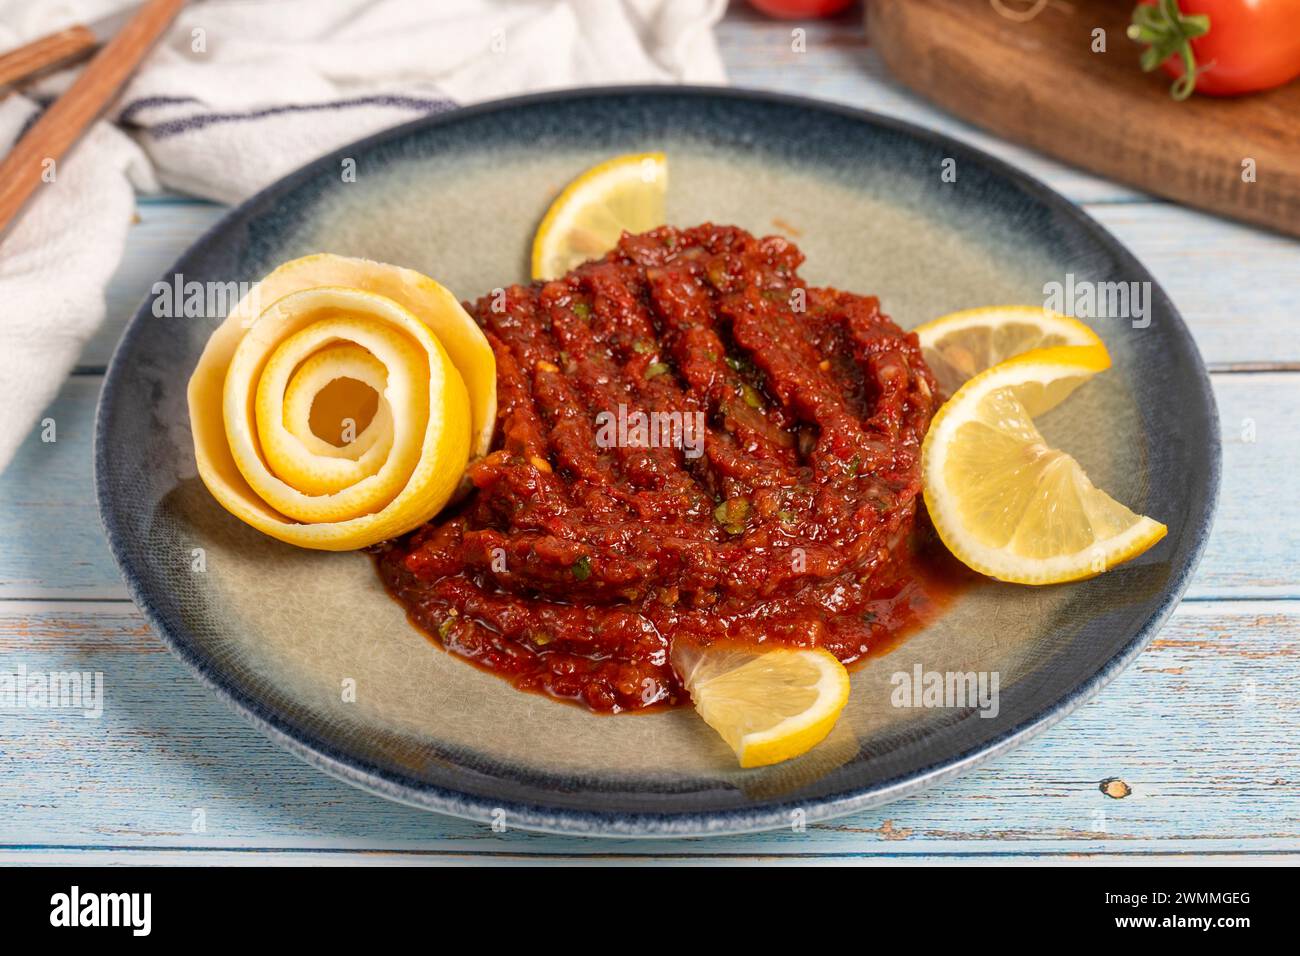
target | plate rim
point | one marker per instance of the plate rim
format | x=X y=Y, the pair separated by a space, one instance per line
x=763 y=816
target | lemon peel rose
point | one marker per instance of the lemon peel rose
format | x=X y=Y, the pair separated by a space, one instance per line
x=340 y=401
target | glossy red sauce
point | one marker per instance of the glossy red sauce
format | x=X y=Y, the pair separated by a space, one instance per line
x=576 y=562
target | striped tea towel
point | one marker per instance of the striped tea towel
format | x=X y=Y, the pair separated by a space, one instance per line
x=240 y=92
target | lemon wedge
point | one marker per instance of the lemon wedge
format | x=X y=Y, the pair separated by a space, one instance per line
x=1004 y=502
x=960 y=345
x=587 y=219
x=339 y=402
x=768 y=705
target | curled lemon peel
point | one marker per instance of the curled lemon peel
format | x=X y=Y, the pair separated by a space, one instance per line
x=308 y=390
x=323 y=338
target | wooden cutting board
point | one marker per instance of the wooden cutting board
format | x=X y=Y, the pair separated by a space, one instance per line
x=1038 y=82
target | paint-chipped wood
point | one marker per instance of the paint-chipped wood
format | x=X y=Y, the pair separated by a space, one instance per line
x=831 y=60
x=51 y=544
x=1201 y=730
x=1221 y=276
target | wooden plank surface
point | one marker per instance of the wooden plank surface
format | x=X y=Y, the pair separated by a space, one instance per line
x=120 y=856
x=1201 y=728
x=51 y=545
x=830 y=60
x=1222 y=276
x=165 y=748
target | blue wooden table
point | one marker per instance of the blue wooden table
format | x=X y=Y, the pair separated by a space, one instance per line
x=1201 y=730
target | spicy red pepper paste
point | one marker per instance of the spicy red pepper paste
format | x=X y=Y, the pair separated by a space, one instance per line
x=584 y=552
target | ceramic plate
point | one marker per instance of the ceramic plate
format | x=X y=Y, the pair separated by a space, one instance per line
x=278 y=632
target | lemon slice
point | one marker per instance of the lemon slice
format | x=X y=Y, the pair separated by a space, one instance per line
x=586 y=221
x=1005 y=503
x=960 y=345
x=767 y=705
x=338 y=403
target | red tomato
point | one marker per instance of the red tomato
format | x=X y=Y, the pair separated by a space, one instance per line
x=1231 y=46
x=798 y=9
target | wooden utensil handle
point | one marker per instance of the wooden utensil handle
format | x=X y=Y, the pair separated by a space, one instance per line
x=57 y=49
x=63 y=123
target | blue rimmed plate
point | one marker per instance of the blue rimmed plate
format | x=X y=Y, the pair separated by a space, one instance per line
x=878 y=206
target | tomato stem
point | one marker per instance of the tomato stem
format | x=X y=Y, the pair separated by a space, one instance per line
x=1167 y=32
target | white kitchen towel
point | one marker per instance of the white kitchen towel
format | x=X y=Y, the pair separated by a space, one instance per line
x=240 y=92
